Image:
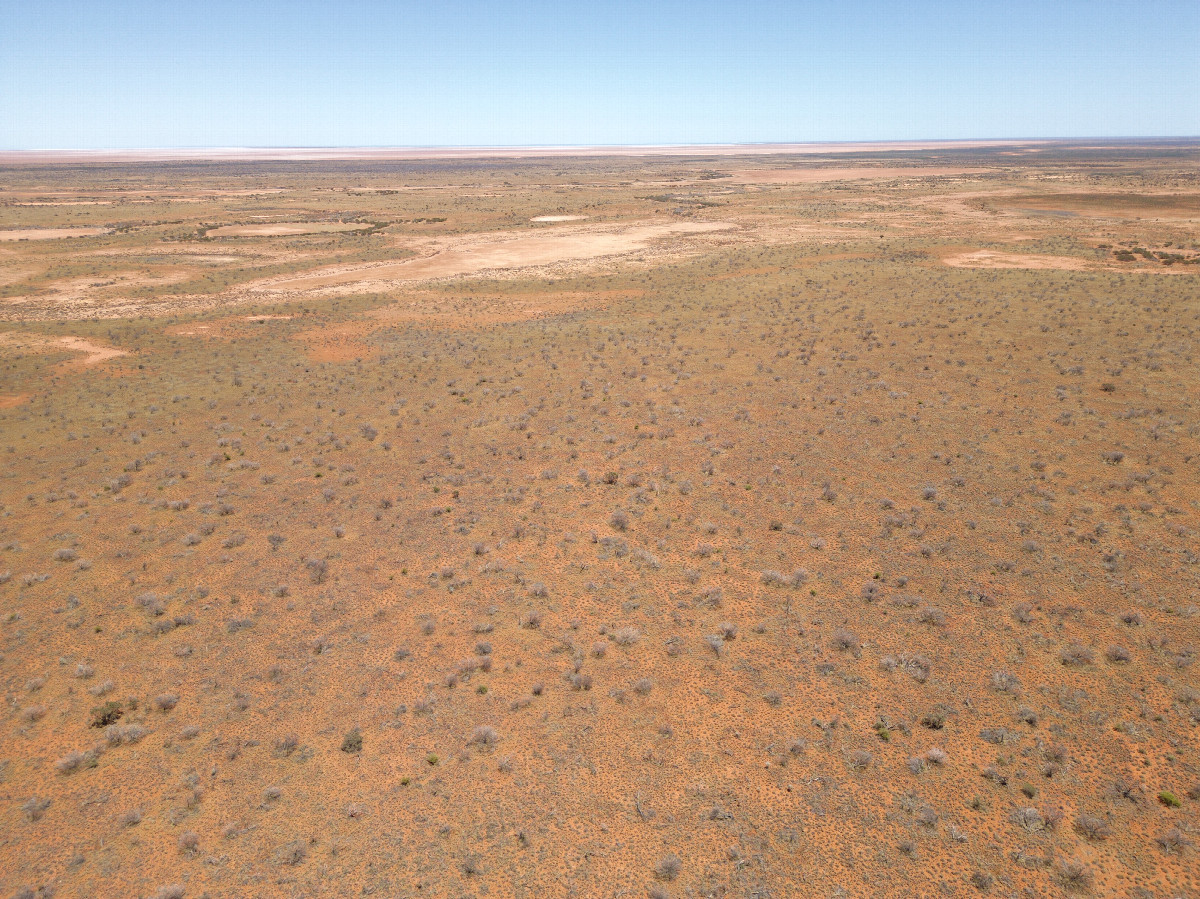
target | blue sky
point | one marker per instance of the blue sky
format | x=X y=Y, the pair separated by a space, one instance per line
x=353 y=73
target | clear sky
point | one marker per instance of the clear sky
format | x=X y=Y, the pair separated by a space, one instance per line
x=153 y=73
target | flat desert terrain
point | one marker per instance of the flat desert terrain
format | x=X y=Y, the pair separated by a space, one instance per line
x=806 y=521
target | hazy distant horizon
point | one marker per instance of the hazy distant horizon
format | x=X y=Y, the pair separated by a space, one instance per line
x=467 y=151
x=830 y=145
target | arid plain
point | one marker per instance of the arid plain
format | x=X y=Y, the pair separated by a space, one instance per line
x=697 y=524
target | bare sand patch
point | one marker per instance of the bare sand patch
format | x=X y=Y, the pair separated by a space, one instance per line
x=502 y=252
x=67 y=203
x=93 y=353
x=15 y=275
x=86 y=295
x=200 y=330
x=247 y=192
x=8 y=401
x=49 y=233
x=558 y=218
x=195 y=258
x=857 y=173
x=994 y=259
x=286 y=229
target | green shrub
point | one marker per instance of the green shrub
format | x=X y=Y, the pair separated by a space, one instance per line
x=1169 y=799
x=109 y=713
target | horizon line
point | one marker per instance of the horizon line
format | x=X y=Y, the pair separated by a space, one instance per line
x=467 y=151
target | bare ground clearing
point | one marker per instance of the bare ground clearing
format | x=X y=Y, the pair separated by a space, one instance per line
x=93 y=353
x=286 y=229
x=508 y=252
x=49 y=233
x=994 y=259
